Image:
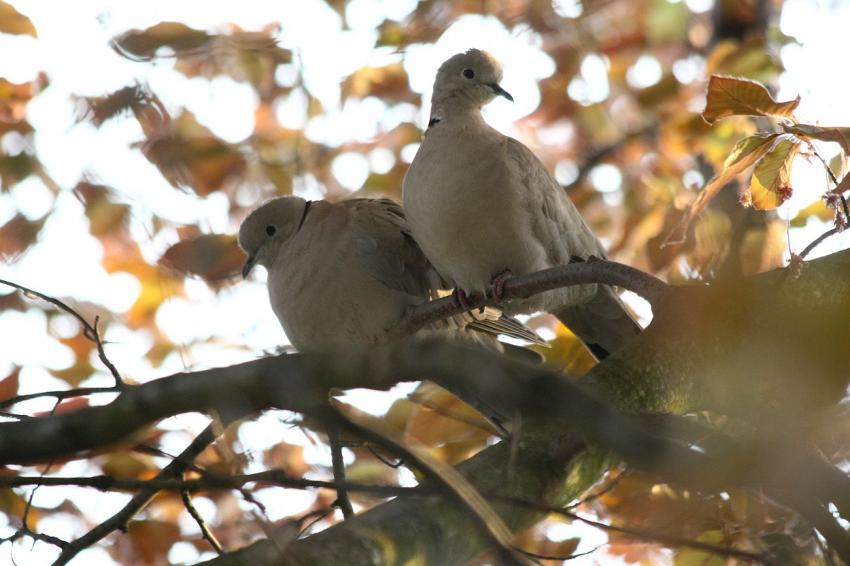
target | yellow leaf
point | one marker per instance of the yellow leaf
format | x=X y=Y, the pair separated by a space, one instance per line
x=743 y=156
x=770 y=185
x=732 y=96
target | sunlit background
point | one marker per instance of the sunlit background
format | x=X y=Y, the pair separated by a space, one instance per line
x=235 y=323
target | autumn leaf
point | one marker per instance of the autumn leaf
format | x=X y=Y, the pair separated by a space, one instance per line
x=13 y=22
x=127 y=465
x=105 y=216
x=9 y=384
x=744 y=155
x=387 y=83
x=142 y=45
x=14 y=98
x=190 y=156
x=212 y=257
x=732 y=96
x=17 y=235
x=138 y=99
x=151 y=539
x=770 y=184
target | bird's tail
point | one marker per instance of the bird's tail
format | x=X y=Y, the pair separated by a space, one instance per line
x=603 y=323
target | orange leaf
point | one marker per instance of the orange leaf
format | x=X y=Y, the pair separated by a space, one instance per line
x=211 y=256
x=12 y=21
x=732 y=96
x=152 y=540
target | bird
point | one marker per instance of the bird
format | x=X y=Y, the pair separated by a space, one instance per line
x=342 y=275
x=484 y=208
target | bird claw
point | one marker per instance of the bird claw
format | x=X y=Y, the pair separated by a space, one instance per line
x=497 y=285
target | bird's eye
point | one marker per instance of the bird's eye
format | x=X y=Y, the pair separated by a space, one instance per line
x=270 y=230
x=468 y=73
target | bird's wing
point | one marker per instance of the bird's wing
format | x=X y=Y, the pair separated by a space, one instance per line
x=383 y=241
x=556 y=223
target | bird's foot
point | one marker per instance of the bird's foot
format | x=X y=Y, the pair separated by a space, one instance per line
x=497 y=285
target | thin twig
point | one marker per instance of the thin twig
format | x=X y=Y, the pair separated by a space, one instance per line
x=817 y=241
x=120 y=519
x=89 y=331
x=338 y=464
x=64 y=394
x=206 y=533
x=640 y=534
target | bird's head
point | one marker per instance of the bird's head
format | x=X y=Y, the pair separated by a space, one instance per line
x=268 y=227
x=473 y=76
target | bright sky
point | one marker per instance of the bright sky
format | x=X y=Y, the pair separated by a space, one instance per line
x=73 y=49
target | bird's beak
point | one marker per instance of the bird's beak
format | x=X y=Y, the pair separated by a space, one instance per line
x=249 y=265
x=500 y=91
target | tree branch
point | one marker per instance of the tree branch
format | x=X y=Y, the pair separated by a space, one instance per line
x=523 y=286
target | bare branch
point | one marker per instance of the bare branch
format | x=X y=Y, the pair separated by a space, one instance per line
x=89 y=330
x=119 y=521
x=206 y=533
x=638 y=533
x=523 y=286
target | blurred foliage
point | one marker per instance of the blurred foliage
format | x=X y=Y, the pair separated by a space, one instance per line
x=670 y=215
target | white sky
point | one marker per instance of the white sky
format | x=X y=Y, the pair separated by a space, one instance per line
x=73 y=49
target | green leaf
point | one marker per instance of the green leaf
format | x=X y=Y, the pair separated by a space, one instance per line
x=733 y=96
x=770 y=184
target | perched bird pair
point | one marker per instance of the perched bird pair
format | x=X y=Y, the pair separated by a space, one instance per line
x=480 y=208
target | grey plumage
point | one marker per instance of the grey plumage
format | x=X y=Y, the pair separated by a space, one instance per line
x=341 y=275
x=480 y=203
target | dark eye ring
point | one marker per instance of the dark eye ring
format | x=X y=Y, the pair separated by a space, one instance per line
x=270 y=230
x=468 y=73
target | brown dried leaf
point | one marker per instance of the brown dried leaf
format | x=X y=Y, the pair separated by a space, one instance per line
x=16 y=168
x=142 y=45
x=9 y=384
x=151 y=540
x=388 y=83
x=733 y=96
x=139 y=99
x=17 y=235
x=213 y=257
x=12 y=21
x=822 y=133
x=190 y=156
x=105 y=216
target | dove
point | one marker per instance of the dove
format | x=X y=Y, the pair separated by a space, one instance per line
x=484 y=208
x=342 y=275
